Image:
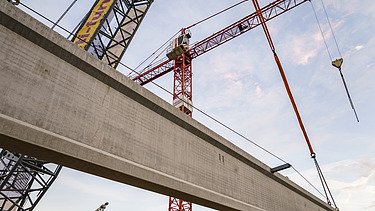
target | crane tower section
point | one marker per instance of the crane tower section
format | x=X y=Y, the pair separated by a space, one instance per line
x=182 y=87
x=109 y=27
x=24 y=180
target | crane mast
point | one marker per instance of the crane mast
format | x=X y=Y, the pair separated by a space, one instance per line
x=182 y=86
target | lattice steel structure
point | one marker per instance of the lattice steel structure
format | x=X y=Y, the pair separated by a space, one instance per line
x=118 y=29
x=247 y=23
x=24 y=180
x=179 y=205
x=182 y=87
x=182 y=65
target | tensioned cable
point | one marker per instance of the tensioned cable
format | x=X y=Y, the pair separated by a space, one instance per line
x=44 y=17
x=218 y=13
x=325 y=183
x=207 y=115
x=190 y=26
x=299 y=173
x=338 y=49
x=166 y=42
x=199 y=110
x=320 y=173
x=66 y=11
x=321 y=31
x=322 y=181
x=77 y=26
x=330 y=26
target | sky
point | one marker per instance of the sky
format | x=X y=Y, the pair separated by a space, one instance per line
x=238 y=84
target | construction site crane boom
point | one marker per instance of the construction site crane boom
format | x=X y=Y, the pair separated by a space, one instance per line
x=247 y=23
x=262 y=21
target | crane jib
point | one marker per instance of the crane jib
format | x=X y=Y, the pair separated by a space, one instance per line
x=247 y=23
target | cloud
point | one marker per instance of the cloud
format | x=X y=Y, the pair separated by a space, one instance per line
x=349 y=7
x=238 y=87
x=303 y=47
x=308 y=45
x=258 y=91
x=359 y=47
x=351 y=181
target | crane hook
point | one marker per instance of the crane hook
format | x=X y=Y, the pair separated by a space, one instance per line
x=337 y=63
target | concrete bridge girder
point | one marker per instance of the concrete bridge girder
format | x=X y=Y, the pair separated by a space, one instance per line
x=60 y=104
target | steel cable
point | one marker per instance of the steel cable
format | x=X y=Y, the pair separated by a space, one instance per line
x=199 y=110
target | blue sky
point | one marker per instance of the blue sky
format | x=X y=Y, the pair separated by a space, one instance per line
x=239 y=84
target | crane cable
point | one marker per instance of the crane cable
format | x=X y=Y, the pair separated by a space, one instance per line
x=321 y=31
x=153 y=53
x=75 y=30
x=294 y=105
x=338 y=49
x=199 y=110
x=218 y=13
x=313 y=155
x=66 y=11
x=337 y=62
x=190 y=26
x=324 y=184
x=330 y=26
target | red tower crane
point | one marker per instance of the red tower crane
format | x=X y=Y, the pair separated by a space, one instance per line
x=180 y=61
x=180 y=58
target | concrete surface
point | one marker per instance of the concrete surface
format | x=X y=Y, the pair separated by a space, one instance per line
x=60 y=104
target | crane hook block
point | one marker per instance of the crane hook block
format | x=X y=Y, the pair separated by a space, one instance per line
x=337 y=63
